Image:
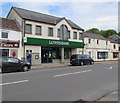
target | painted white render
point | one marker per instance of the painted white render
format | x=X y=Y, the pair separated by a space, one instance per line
x=13 y=36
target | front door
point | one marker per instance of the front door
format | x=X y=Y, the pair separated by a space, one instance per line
x=46 y=54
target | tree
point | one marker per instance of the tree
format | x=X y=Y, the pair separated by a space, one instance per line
x=110 y=32
x=93 y=30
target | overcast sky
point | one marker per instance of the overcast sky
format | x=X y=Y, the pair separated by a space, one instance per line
x=101 y=15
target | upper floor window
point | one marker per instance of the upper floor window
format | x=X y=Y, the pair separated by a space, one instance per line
x=50 y=31
x=80 y=36
x=28 y=28
x=114 y=46
x=38 y=30
x=4 y=35
x=75 y=35
x=97 y=41
x=58 y=33
x=106 y=42
x=63 y=32
x=89 y=40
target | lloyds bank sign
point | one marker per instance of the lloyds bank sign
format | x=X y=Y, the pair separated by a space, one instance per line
x=51 y=42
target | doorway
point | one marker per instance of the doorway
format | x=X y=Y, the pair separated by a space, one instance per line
x=46 y=54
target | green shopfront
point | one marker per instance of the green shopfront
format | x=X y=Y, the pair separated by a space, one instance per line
x=53 y=50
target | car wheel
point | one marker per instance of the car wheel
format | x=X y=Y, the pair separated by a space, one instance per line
x=91 y=62
x=81 y=63
x=25 y=68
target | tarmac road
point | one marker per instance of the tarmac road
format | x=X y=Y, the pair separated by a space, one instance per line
x=71 y=83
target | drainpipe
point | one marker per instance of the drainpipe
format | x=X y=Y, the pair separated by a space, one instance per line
x=23 y=36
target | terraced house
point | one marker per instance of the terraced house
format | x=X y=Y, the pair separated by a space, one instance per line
x=48 y=38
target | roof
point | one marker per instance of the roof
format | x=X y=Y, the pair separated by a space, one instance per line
x=114 y=39
x=9 y=24
x=44 y=18
x=92 y=35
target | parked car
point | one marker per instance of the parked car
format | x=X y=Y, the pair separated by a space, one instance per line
x=80 y=59
x=8 y=64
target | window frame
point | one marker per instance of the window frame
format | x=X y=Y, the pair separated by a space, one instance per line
x=30 y=29
x=49 y=31
x=2 y=35
x=40 y=30
x=74 y=33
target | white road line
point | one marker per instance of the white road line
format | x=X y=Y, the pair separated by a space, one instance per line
x=71 y=73
x=22 y=81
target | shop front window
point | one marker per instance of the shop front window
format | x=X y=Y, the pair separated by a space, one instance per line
x=115 y=55
x=67 y=53
x=102 y=55
x=55 y=53
x=4 y=52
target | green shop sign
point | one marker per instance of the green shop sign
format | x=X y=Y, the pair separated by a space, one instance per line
x=51 y=42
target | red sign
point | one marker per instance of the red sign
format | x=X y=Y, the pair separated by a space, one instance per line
x=10 y=44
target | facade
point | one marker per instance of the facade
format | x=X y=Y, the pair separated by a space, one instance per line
x=98 y=47
x=10 y=37
x=115 y=46
x=49 y=39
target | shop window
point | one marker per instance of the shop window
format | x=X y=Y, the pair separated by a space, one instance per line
x=4 y=52
x=102 y=55
x=38 y=30
x=115 y=55
x=74 y=35
x=28 y=28
x=50 y=31
x=4 y=35
x=67 y=53
x=55 y=53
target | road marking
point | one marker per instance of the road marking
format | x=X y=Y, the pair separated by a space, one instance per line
x=110 y=68
x=16 y=82
x=71 y=73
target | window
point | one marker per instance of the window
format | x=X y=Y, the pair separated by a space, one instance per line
x=28 y=28
x=68 y=37
x=97 y=41
x=4 y=35
x=50 y=31
x=102 y=55
x=114 y=46
x=13 y=60
x=58 y=33
x=80 y=36
x=75 y=35
x=115 y=55
x=89 y=40
x=106 y=42
x=38 y=30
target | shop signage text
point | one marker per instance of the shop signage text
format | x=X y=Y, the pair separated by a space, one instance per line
x=59 y=42
x=9 y=44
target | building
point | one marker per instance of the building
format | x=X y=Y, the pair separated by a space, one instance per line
x=48 y=38
x=115 y=46
x=10 y=37
x=98 y=47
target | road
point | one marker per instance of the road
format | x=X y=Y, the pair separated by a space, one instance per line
x=71 y=83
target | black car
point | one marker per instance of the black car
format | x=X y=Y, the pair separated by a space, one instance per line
x=80 y=59
x=8 y=64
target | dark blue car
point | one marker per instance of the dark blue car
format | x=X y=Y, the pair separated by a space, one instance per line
x=80 y=59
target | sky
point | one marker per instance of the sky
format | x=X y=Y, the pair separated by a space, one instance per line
x=86 y=14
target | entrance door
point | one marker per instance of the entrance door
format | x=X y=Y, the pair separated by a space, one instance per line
x=46 y=54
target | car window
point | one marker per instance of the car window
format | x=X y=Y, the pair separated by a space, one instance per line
x=13 y=60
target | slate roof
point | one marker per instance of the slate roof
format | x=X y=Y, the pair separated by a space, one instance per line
x=114 y=39
x=92 y=35
x=9 y=24
x=43 y=18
